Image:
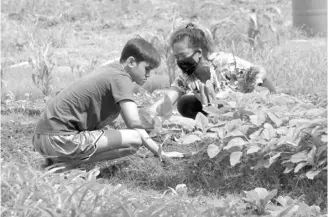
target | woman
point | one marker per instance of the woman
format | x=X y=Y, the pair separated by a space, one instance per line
x=205 y=71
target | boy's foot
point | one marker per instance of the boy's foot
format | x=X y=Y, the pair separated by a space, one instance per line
x=47 y=163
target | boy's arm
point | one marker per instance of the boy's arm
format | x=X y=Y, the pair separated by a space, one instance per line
x=130 y=115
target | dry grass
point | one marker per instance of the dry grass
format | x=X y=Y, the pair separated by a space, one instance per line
x=84 y=35
x=94 y=33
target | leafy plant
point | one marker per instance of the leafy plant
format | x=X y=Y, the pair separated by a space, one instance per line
x=259 y=197
x=258 y=20
x=43 y=64
x=291 y=207
x=265 y=134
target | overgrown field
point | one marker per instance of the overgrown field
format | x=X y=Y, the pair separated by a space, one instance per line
x=259 y=155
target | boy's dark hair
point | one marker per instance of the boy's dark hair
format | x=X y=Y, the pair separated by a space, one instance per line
x=141 y=50
x=198 y=38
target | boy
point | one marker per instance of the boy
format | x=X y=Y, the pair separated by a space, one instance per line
x=71 y=128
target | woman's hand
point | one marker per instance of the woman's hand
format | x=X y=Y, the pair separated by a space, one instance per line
x=261 y=75
x=207 y=93
x=173 y=154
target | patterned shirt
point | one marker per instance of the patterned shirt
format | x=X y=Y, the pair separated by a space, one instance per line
x=225 y=71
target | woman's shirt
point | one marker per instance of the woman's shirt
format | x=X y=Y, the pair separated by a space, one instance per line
x=225 y=71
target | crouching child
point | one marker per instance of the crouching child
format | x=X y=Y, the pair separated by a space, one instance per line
x=71 y=130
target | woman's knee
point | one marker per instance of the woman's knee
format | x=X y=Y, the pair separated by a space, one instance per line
x=189 y=106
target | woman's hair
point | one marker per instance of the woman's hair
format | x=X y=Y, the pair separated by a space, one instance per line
x=199 y=38
x=141 y=50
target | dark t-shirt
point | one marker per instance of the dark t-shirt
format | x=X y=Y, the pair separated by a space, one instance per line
x=88 y=104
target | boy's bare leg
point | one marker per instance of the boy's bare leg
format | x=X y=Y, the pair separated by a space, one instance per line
x=112 y=145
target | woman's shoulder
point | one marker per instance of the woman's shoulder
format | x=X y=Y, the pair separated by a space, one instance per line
x=220 y=56
x=220 y=59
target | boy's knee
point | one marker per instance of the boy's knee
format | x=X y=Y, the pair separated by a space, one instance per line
x=136 y=141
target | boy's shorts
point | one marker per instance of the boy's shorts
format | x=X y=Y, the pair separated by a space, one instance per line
x=63 y=148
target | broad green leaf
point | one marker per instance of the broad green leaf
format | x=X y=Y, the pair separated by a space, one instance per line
x=233 y=124
x=234 y=133
x=318 y=131
x=285 y=201
x=282 y=130
x=290 y=137
x=324 y=138
x=165 y=109
x=312 y=173
x=311 y=155
x=270 y=195
x=213 y=150
x=261 y=192
x=301 y=156
x=211 y=135
x=268 y=132
x=235 y=143
x=232 y=104
x=235 y=158
x=278 y=109
x=228 y=115
x=198 y=133
x=146 y=119
x=188 y=139
x=246 y=129
x=157 y=124
x=221 y=131
x=275 y=119
x=201 y=146
x=322 y=162
x=273 y=142
x=219 y=123
x=186 y=123
x=258 y=119
x=300 y=166
x=298 y=122
x=322 y=149
x=252 y=196
x=272 y=160
x=316 y=112
x=288 y=211
x=306 y=106
x=201 y=121
x=253 y=149
x=256 y=134
x=289 y=167
x=212 y=111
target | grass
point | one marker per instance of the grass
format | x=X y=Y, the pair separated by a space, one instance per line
x=85 y=35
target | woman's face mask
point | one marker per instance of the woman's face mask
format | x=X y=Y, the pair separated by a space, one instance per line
x=188 y=65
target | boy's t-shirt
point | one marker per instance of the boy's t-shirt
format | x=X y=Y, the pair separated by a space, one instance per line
x=88 y=104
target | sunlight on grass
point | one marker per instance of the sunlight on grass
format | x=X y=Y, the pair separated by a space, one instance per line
x=86 y=34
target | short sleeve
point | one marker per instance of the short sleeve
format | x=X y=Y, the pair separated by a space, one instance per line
x=180 y=83
x=228 y=64
x=122 y=88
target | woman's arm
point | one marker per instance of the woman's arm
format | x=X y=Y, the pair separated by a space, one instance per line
x=268 y=84
x=262 y=80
